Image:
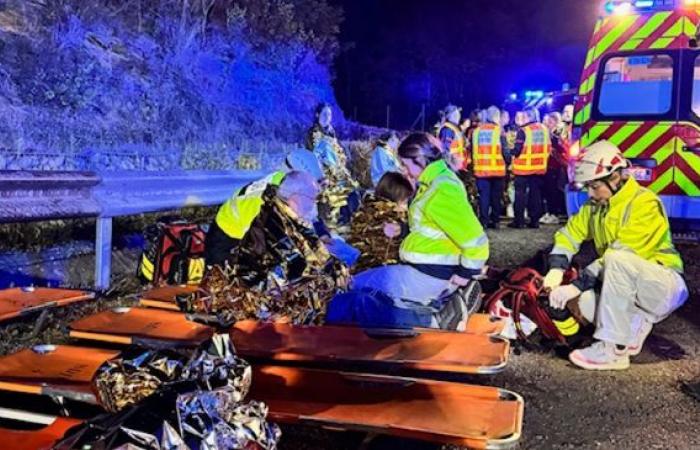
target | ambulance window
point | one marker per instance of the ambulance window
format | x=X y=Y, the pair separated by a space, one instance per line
x=696 y=87
x=637 y=86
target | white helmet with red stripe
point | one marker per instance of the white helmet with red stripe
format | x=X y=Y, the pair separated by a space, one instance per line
x=599 y=161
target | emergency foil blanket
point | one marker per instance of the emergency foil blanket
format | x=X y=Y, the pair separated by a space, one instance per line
x=137 y=373
x=367 y=233
x=224 y=296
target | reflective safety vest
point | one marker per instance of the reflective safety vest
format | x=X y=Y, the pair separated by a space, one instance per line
x=458 y=146
x=238 y=213
x=533 y=158
x=443 y=227
x=634 y=220
x=488 y=152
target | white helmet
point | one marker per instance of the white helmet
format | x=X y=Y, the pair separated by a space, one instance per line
x=599 y=161
x=304 y=161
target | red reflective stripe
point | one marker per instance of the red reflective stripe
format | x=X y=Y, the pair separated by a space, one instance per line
x=637 y=135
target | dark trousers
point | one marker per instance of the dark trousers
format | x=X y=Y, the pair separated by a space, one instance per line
x=528 y=192
x=490 y=199
x=555 y=191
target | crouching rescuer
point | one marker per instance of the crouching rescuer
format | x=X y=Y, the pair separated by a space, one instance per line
x=636 y=280
x=445 y=247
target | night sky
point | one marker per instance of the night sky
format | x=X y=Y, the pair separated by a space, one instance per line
x=406 y=53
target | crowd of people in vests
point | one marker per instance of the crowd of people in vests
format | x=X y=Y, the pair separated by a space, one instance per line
x=417 y=238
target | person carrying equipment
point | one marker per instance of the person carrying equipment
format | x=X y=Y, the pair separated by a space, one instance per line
x=638 y=269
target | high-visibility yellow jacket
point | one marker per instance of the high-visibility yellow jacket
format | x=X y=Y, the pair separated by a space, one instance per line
x=634 y=220
x=488 y=152
x=457 y=144
x=533 y=158
x=238 y=213
x=444 y=230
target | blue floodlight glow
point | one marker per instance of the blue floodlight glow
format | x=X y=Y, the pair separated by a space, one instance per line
x=513 y=96
x=644 y=3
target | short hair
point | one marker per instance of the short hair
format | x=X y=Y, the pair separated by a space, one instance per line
x=493 y=114
x=421 y=144
x=321 y=107
x=394 y=186
x=298 y=182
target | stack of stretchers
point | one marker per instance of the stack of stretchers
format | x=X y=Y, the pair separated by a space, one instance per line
x=337 y=377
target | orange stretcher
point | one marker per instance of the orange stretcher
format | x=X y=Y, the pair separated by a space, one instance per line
x=16 y=302
x=43 y=438
x=451 y=413
x=436 y=411
x=143 y=326
x=419 y=349
x=358 y=349
x=54 y=370
x=164 y=297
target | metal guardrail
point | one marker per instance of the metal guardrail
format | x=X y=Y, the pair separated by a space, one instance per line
x=27 y=196
x=32 y=196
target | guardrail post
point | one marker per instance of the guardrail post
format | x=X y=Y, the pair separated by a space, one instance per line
x=103 y=253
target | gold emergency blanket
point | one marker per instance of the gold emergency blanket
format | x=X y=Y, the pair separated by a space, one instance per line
x=367 y=233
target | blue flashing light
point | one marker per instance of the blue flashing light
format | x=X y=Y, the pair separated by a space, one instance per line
x=513 y=96
x=644 y=3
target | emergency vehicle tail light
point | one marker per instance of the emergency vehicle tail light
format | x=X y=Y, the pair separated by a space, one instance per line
x=574 y=149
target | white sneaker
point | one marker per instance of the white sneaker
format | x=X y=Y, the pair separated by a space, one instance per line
x=544 y=219
x=642 y=333
x=601 y=356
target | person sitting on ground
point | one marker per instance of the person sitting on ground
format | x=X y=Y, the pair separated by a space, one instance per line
x=639 y=271
x=384 y=157
x=446 y=246
x=269 y=232
x=388 y=204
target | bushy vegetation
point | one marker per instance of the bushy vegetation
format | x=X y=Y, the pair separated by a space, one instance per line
x=160 y=84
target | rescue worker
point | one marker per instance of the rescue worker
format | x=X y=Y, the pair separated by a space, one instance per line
x=235 y=216
x=445 y=247
x=530 y=153
x=452 y=138
x=638 y=266
x=384 y=158
x=490 y=159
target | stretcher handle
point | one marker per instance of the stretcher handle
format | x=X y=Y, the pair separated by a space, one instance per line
x=378 y=380
x=388 y=333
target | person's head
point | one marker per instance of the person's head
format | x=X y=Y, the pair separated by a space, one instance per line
x=552 y=120
x=493 y=115
x=300 y=192
x=305 y=161
x=520 y=119
x=568 y=113
x=505 y=118
x=417 y=151
x=395 y=187
x=324 y=114
x=453 y=114
x=599 y=171
x=390 y=139
x=475 y=117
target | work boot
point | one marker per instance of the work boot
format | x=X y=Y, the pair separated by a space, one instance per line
x=601 y=356
x=642 y=333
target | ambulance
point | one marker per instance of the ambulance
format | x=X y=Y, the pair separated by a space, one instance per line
x=640 y=89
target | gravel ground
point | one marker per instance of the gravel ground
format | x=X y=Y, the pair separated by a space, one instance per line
x=564 y=407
